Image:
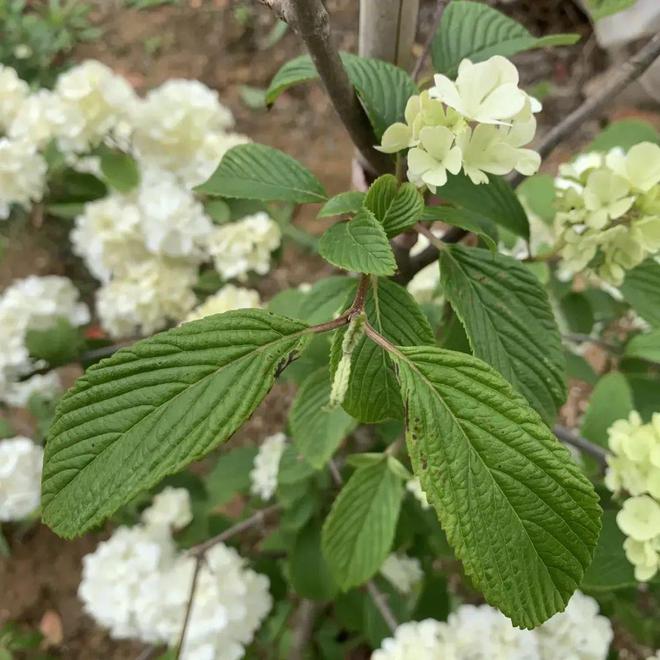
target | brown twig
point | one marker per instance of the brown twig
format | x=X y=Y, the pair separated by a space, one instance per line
x=186 y=620
x=309 y=18
x=305 y=618
x=568 y=437
x=437 y=17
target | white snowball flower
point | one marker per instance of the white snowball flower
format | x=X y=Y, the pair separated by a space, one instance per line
x=429 y=163
x=173 y=222
x=14 y=356
x=484 y=633
x=13 y=92
x=228 y=298
x=172 y=126
x=402 y=571
x=22 y=174
x=146 y=296
x=414 y=486
x=47 y=385
x=423 y=640
x=170 y=508
x=40 y=301
x=243 y=246
x=20 y=478
x=263 y=476
x=118 y=572
x=577 y=633
x=41 y=113
x=108 y=236
x=96 y=101
x=486 y=92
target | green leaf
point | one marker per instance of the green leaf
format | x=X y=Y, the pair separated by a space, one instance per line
x=373 y=391
x=611 y=399
x=317 y=432
x=645 y=347
x=59 y=344
x=610 y=569
x=218 y=210
x=152 y=408
x=539 y=194
x=396 y=207
x=601 y=8
x=119 y=170
x=465 y=219
x=475 y=31
x=509 y=322
x=383 y=88
x=358 y=245
x=255 y=171
x=519 y=513
x=309 y=572
x=230 y=475
x=625 y=134
x=344 y=203
x=641 y=289
x=358 y=533
x=325 y=300
x=495 y=201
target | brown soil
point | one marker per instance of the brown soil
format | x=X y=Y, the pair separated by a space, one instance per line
x=207 y=40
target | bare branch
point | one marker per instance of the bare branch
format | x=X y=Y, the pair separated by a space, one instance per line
x=437 y=17
x=189 y=605
x=382 y=605
x=568 y=437
x=310 y=20
x=303 y=628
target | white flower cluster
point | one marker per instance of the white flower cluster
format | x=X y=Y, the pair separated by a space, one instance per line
x=609 y=211
x=228 y=298
x=263 y=476
x=480 y=123
x=634 y=467
x=404 y=572
x=33 y=303
x=484 y=633
x=20 y=478
x=137 y=585
x=146 y=246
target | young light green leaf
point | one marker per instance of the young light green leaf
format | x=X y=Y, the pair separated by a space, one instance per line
x=641 y=289
x=476 y=31
x=539 y=195
x=601 y=8
x=373 y=392
x=495 y=201
x=346 y=202
x=625 y=134
x=645 y=347
x=255 y=171
x=317 y=432
x=119 y=170
x=154 y=407
x=358 y=245
x=358 y=533
x=465 y=219
x=396 y=207
x=611 y=399
x=325 y=300
x=509 y=322
x=519 y=513
x=383 y=88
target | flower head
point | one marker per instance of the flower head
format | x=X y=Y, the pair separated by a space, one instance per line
x=20 y=478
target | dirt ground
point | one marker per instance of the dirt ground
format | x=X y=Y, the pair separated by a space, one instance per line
x=221 y=42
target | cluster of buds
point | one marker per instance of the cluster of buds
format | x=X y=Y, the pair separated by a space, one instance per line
x=479 y=123
x=608 y=218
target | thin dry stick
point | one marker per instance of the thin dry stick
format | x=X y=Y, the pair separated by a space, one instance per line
x=305 y=618
x=567 y=436
x=437 y=17
x=189 y=605
x=625 y=74
x=379 y=599
x=310 y=20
